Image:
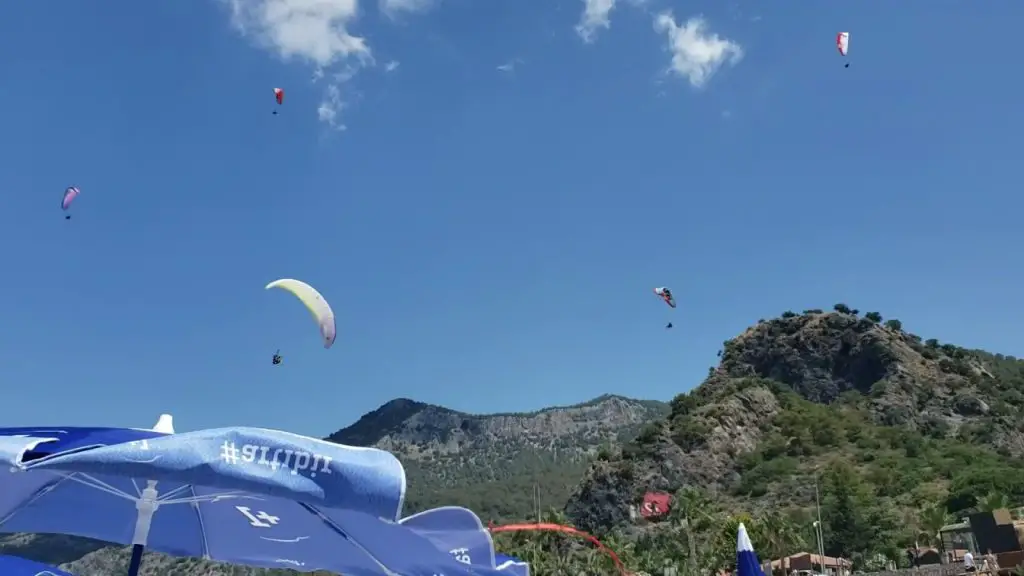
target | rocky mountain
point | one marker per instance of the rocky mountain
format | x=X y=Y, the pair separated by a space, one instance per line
x=827 y=394
x=490 y=463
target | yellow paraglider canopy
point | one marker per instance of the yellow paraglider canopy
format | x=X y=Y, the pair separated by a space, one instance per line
x=314 y=302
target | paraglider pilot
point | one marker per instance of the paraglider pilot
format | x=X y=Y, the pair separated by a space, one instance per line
x=277 y=358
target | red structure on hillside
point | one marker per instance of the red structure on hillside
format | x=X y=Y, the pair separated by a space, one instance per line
x=656 y=504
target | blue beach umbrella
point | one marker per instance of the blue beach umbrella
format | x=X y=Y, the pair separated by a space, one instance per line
x=239 y=495
x=14 y=566
x=747 y=563
x=460 y=532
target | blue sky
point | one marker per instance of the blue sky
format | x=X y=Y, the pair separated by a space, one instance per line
x=486 y=192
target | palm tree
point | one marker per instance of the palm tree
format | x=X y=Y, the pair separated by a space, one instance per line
x=931 y=520
x=721 y=552
x=692 y=512
x=779 y=536
x=993 y=501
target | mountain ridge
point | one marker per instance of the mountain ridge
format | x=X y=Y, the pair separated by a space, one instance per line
x=897 y=431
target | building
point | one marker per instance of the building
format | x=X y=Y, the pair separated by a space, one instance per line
x=806 y=563
x=956 y=536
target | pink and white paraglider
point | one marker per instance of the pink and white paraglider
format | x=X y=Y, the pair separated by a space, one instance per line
x=843 y=45
x=69 y=196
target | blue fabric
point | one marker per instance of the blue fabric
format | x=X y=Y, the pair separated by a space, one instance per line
x=747 y=563
x=238 y=495
x=460 y=532
x=14 y=566
x=76 y=437
x=254 y=460
x=457 y=531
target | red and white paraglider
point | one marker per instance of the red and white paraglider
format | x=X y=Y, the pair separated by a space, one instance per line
x=279 y=96
x=843 y=45
x=666 y=295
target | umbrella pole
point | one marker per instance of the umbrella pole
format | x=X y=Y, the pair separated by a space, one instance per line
x=136 y=561
x=146 y=506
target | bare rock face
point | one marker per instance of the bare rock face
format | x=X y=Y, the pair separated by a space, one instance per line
x=449 y=455
x=698 y=449
x=413 y=429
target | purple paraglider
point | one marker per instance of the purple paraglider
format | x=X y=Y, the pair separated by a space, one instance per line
x=69 y=196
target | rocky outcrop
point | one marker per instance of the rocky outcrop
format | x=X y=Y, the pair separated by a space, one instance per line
x=941 y=391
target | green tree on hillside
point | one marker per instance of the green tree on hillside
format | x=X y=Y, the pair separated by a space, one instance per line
x=847 y=500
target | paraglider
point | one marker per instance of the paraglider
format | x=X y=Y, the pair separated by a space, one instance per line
x=315 y=303
x=279 y=96
x=843 y=45
x=276 y=359
x=69 y=196
x=666 y=295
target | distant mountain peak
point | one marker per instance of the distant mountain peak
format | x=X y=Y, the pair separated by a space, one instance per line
x=391 y=416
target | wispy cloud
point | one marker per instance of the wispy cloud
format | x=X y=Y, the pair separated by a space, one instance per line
x=393 y=8
x=331 y=106
x=313 y=31
x=331 y=102
x=510 y=66
x=596 y=16
x=696 y=52
x=392 y=65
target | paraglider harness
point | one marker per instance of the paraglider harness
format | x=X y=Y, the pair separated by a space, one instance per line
x=276 y=359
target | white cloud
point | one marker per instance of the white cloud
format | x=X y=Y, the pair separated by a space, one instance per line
x=314 y=31
x=332 y=103
x=392 y=65
x=595 y=17
x=696 y=53
x=393 y=7
x=510 y=66
x=331 y=106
